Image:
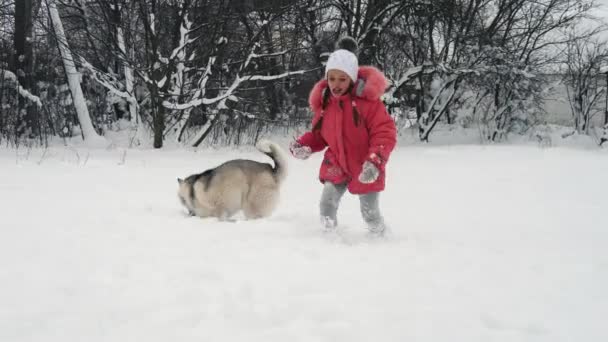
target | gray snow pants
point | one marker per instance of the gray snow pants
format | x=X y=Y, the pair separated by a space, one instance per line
x=330 y=200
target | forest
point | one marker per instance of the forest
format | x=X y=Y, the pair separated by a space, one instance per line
x=227 y=71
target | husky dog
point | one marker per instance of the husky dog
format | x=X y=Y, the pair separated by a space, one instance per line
x=240 y=184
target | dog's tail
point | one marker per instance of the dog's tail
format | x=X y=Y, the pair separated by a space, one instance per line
x=277 y=154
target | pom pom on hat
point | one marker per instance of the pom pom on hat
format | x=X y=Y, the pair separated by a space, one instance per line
x=347 y=43
x=344 y=58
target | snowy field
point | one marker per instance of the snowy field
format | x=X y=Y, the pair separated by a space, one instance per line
x=490 y=243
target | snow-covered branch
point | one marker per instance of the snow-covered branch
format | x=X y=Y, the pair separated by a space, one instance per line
x=199 y=99
x=427 y=128
x=251 y=55
x=204 y=101
x=273 y=77
x=411 y=73
x=374 y=26
x=106 y=80
x=10 y=76
x=184 y=40
x=179 y=56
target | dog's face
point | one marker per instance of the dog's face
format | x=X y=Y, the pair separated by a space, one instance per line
x=184 y=193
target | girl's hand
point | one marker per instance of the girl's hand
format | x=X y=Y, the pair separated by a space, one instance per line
x=299 y=151
x=369 y=173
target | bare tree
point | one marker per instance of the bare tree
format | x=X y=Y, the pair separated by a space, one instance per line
x=189 y=55
x=366 y=21
x=182 y=67
x=583 y=78
x=498 y=45
x=529 y=34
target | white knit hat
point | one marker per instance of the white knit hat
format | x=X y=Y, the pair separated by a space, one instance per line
x=343 y=60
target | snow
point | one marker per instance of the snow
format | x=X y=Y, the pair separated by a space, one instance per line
x=411 y=71
x=489 y=243
x=162 y=81
x=10 y=76
x=272 y=77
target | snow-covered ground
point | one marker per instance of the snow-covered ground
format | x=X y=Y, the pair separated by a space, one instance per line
x=490 y=243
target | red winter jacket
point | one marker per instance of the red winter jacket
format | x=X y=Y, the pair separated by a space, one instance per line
x=351 y=143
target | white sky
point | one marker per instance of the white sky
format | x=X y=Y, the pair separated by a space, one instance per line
x=603 y=7
x=602 y=13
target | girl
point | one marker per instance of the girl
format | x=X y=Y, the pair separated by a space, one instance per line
x=352 y=122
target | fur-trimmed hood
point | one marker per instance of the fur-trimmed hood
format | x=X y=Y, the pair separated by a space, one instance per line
x=370 y=86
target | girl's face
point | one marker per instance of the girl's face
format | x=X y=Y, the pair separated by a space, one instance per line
x=338 y=81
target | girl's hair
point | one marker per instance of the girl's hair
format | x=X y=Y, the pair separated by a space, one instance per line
x=326 y=93
x=319 y=123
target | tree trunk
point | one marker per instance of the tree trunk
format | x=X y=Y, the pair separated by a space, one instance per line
x=274 y=96
x=425 y=130
x=22 y=62
x=606 y=105
x=88 y=131
x=158 y=117
x=159 y=126
x=129 y=85
x=204 y=131
x=368 y=48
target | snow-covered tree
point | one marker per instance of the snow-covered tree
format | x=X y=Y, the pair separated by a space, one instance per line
x=604 y=137
x=497 y=44
x=181 y=67
x=366 y=21
x=195 y=59
x=88 y=131
x=584 y=79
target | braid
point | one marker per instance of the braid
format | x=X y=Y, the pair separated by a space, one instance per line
x=355 y=114
x=319 y=123
x=326 y=93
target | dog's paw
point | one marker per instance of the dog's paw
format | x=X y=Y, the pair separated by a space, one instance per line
x=188 y=213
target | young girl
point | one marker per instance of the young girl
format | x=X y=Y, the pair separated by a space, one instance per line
x=352 y=122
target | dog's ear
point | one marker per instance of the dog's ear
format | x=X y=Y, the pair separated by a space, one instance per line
x=180 y=181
